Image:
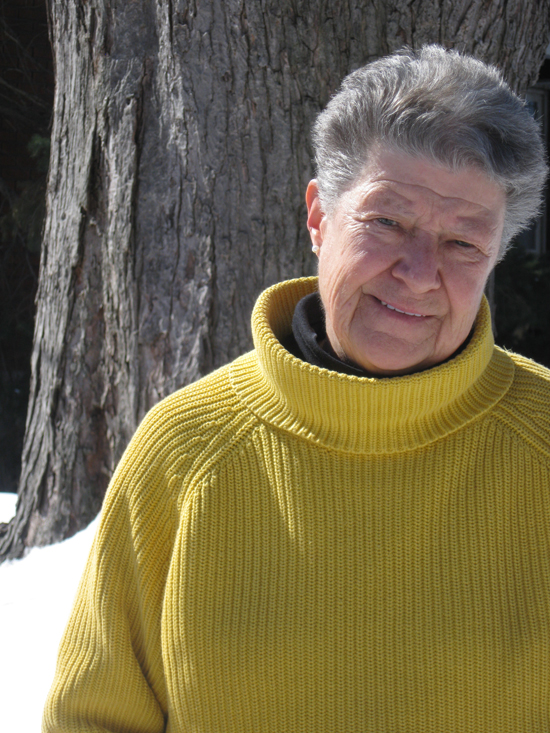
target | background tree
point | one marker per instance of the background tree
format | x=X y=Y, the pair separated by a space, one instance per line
x=179 y=160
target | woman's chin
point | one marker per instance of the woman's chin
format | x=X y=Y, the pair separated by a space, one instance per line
x=391 y=360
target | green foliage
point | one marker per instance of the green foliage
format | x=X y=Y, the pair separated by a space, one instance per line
x=24 y=218
x=26 y=97
x=21 y=221
x=522 y=298
x=39 y=149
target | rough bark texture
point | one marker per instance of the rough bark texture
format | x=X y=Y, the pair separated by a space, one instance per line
x=180 y=157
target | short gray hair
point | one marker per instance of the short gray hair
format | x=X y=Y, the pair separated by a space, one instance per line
x=438 y=104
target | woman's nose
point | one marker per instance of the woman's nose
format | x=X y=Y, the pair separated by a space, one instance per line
x=418 y=264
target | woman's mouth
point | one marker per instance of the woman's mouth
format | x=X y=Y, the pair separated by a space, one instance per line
x=393 y=308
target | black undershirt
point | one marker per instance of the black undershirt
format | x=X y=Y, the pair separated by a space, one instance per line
x=308 y=340
x=309 y=332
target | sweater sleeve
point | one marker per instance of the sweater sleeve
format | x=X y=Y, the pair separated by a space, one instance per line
x=110 y=675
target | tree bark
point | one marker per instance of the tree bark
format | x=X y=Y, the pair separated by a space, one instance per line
x=180 y=157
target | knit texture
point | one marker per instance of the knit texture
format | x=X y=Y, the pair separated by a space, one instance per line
x=286 y=549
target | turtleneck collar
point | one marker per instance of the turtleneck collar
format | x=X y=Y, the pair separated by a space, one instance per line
x=358 y=414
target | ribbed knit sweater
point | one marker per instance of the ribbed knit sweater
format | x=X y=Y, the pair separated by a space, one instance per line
x=286 y=549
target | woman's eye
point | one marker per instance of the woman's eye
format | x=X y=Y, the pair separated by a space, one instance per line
x=387 y=222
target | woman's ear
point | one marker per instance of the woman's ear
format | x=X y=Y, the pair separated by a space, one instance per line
x=315 y=216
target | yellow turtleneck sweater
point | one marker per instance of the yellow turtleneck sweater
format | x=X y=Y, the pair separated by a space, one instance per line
x=285 y=549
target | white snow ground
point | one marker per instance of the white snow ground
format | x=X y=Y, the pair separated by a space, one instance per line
x=36 y=595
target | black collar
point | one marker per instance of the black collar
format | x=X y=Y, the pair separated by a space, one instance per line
x=308 y=340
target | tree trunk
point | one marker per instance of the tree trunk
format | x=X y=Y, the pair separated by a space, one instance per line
x=179 y=161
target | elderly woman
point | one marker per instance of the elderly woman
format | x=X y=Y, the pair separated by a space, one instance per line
x=348 y=529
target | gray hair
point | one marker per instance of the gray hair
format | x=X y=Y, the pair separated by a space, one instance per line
x=434 y=103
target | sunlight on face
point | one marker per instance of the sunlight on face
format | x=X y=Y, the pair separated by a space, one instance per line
x=404 y=259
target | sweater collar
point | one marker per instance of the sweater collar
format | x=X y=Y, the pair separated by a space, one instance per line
x=358 y=414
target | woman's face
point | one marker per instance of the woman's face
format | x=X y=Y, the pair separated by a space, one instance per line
x=404 y=259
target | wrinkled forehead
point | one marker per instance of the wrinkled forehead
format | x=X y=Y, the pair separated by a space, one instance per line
x=411 y=201
x=400 y=170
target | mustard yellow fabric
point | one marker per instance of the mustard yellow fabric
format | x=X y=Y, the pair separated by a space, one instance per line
x=285 y=549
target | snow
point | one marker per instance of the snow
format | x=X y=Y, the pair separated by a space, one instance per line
x=36 y=595
x=7 y=506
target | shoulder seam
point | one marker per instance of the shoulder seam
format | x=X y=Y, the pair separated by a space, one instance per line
x=195 y=475
x=507 y=418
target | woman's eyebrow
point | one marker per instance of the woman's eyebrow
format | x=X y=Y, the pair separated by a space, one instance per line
x=388 y=199
x=482 y=224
